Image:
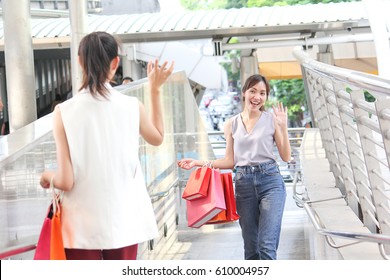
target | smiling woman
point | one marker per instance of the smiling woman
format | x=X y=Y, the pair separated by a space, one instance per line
x=260 y=190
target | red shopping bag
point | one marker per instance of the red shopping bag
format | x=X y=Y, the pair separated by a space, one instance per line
x=198 y=183
x=230 y=214
x=42 y=251
x=50 y=245
x=201 y=210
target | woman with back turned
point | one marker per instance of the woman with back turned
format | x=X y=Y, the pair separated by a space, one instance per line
x=106 y=210
x=259 y=188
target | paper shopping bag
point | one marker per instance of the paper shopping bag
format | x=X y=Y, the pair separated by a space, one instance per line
x=201 y=210
x=197 y=184
x=57 y=250
x=50 y=245
x=230 y=214
x=42 y=251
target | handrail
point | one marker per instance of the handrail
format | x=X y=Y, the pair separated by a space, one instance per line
x=380 y=239
x=372 y=82
x=354 y=129
x=17 y=250
x=13 y=251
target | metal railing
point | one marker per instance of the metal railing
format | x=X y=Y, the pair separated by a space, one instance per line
x=352 y=111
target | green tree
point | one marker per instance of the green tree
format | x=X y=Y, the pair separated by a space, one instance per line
x=230 y=58
x=193 y=5
x=292 y=94
x=262 y=3
x=235 y=4
x=228 y=4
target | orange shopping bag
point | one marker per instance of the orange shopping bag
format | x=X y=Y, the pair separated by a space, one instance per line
x=57 y=250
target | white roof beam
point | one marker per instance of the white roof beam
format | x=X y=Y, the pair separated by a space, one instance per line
x=302 y=42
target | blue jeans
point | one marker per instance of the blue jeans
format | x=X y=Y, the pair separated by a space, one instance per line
x=260 y=195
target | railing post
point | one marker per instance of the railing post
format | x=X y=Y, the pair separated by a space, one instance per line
x=369 y=163
x=321 y=107
x=308 y=98
x=353 y=148
x=383 y=112
x=334 y=132
x=341 y=146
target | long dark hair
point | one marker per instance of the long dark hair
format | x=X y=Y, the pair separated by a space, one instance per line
x=96 y=51
x=253 y=80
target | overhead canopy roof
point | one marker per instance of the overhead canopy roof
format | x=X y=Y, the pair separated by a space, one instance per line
x=265 y=25
x=312 y=18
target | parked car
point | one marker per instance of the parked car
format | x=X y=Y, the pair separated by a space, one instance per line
x=223 y=106
x=235 y=96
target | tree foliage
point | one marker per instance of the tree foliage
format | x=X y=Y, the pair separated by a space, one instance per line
x=292 y=94
x=194 y=5
x=229 y=4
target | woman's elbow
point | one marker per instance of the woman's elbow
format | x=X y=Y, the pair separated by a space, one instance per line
x=64 y=185
x=286 y=158
x=285 y=153
x=68 y=188
x=157 y=142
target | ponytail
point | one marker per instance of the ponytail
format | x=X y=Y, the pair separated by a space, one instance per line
x=96 y=52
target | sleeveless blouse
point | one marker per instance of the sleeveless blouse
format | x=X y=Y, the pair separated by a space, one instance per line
x=109 y=206
x=255 y=147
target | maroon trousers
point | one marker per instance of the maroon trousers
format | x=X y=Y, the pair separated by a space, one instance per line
x=125 y=253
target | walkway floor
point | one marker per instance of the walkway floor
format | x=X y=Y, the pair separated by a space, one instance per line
x=224 y=242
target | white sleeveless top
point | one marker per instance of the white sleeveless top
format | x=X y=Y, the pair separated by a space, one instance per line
x=109 y=206
x=255 y=147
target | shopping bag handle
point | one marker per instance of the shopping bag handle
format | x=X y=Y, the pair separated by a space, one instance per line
x=57 y=197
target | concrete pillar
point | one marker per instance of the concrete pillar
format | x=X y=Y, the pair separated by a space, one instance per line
x=249 y=67
x=19 y=61
x=129 y=65
x=376 y=10
x=132 y=69
x=78 y=23
x=326 y=57
x=3 y=92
